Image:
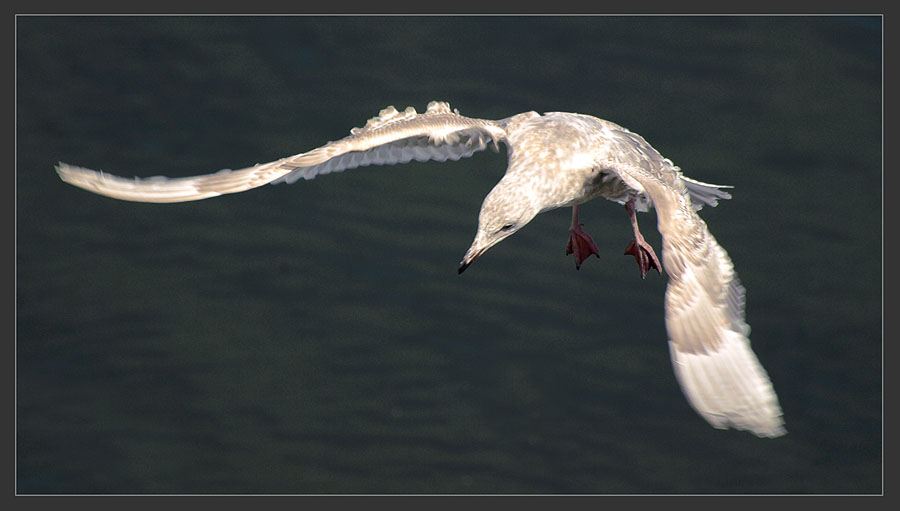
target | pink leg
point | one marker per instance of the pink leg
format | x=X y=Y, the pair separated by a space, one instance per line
x=640 y=249
x=580 y=244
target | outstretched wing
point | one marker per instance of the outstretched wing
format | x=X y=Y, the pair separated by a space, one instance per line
x=708 y=337
x=390 y=138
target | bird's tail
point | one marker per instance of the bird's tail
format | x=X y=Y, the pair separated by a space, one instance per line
x=704 y=193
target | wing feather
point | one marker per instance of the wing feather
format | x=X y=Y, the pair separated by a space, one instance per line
x=708 y=336
x=390 y=138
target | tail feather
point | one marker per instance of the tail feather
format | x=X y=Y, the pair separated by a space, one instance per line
x=705 y=193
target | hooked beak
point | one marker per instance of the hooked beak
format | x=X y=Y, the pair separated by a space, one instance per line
x=470 y=258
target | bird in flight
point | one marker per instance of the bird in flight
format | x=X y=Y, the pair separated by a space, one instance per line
x=556 y=160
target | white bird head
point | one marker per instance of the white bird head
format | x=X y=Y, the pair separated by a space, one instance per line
x=505 y=210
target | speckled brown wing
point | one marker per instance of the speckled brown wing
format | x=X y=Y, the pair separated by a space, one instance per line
x=391 y=137
x=708 y=337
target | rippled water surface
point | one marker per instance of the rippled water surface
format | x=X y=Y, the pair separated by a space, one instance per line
x=315 y=338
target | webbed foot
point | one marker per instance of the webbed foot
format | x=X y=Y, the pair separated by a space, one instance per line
x=580 y=245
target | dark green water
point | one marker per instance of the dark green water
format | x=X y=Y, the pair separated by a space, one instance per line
x=315 y=338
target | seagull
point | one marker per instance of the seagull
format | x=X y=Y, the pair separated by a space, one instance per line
x=556 y=160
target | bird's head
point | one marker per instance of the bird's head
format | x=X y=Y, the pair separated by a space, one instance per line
x=504 y=211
